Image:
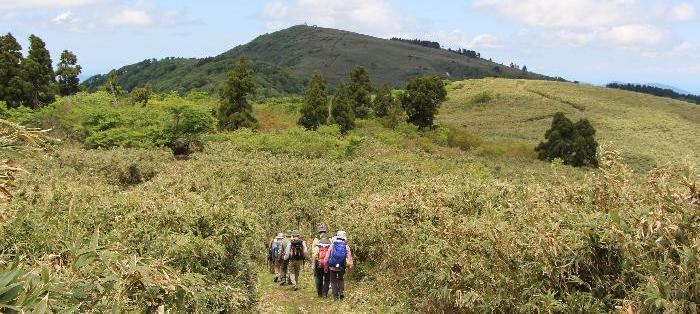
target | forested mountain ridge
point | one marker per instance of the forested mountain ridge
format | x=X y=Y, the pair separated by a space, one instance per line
x=284 y=60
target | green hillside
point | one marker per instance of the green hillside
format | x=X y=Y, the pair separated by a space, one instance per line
x=284 y=61
x=647 y=130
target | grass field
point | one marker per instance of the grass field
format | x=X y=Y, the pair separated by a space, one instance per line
x=647 y=130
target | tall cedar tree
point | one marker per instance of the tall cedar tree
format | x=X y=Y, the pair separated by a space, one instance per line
x=38 y=69
x=341 y=110
x=422 y=99
x=11 y=85
x=314 y=110
x=67 y=72
x=235 y=111
x=575 y=143
x=382 y=101
x=360 y=89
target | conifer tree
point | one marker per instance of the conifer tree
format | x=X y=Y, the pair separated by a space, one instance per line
x=382 y=101
x=10 y=60
x=360 y=88
x=314 y=110
x=422 y=99
x=235 y=111
x=341 y=110
x=38 y=69
x=67 y=72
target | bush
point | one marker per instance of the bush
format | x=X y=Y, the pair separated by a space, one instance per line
x=575 y=143
x=460 y=138
x=480 y=98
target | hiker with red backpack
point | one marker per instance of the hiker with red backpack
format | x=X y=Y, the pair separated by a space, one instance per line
x=276 y=255
x=338 y=260
x=296 y=254
x=320 y=248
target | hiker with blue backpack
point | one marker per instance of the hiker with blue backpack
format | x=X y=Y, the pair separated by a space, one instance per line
x=338 y=260
x=320 y=248
x=276 y=255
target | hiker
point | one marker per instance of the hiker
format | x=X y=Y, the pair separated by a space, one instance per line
x=285 y=262
x=338 y=260
x=295 y=254
x=319 y=250
x=276 y=254
x=270 y=259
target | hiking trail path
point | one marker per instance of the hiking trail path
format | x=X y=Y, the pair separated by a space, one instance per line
x=282 y=299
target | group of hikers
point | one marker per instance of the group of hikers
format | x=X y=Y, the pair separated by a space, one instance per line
x=330 y=257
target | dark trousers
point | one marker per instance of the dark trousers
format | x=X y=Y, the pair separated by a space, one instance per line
x=323 y=281
x=338 y=283
x=285 y=271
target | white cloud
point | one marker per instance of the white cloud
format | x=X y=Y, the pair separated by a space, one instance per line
x=634 y=34
x=484 y=40
x=42 y=4
x=682 y=12
x=64 y=18
x=457 y=39
x=629 y=24
x=584 y=14
x=555 y=13
x=131 y=17
x=378 y=17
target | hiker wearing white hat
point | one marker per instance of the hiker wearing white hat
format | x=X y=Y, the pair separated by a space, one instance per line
x=338 y=260
x=276 y=255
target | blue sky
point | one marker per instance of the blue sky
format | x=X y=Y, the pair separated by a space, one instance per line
x=588 y=40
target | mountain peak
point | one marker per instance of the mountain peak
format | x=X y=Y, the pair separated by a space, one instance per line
x=285 y=59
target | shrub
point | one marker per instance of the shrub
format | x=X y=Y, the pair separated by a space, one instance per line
x=133 y=174
x=459 y=137
x=141 y=95
x=182 y=135
x=575 y=143
x=480 y=98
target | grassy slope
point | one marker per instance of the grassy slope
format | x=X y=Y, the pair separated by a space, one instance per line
x=647 y=130
x=285 y=59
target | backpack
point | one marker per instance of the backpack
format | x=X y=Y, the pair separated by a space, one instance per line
x=339 y=254
x=296 y=251
x=276 y=250
x=323 y=249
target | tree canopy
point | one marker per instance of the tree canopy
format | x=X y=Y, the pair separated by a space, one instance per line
x=314 y=110
x=235 y=111
x=422 y=99
x=573 y=143
x=67 y=72
x=341 y=110
x=360 y=88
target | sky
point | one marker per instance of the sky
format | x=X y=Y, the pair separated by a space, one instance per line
x=592 y=41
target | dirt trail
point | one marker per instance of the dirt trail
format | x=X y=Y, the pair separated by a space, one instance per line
x=282 y=299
